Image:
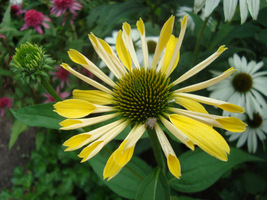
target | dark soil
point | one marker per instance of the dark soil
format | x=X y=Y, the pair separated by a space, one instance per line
x=17 y=156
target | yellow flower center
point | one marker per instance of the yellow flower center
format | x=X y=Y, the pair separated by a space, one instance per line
x=142 y=94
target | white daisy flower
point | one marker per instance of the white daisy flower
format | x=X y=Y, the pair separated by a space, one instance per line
x=247 y=87
x=229 y=7
x=184 y=10
x=257 y=127
x=209 y=6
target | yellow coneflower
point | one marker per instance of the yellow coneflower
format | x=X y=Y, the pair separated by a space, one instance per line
x=143 y=97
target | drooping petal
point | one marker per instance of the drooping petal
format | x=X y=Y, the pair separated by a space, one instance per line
x=91 y=150
x=203 y=135
x=254 y=7
x=243 y=10
x=93 y=96
x=172 y=161
x=120 y=157
x=200 y=66
x=177 y=133
x=214 y=102
x=229 y=8
x=210 y=5
x=74 y=108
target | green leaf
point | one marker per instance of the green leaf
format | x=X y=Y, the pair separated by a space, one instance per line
x=200 y=170
x=7 y=17
x=41 y=115
x=128 y=180
x=154 y=187
x=17 y=128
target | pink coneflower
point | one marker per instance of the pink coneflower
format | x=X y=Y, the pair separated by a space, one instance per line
x=2 y=36
x=5 y=102
x=49 y=98
x=62 y=75
x=61 y=6
x=16 y=9
x=35 y=19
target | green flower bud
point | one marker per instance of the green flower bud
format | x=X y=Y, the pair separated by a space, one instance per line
x=31 y=63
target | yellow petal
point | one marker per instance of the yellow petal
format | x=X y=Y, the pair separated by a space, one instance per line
x=123 y=52
x=140 y=26
x=69 y=122
x=106 y=46
x=127 y=28
x=74 y=108
x=91 y=150
x=214 y=102
x=164 y=37
x=174 y=165
x=93 y=96
x=203 y=135
x=77 y=57
x=165 y=33
x=232 y=124
x=111 y=168
x=77 y=141
x=168 y=54
x=190 y=104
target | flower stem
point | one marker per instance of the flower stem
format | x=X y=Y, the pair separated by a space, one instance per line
x=46 y=85
x=156 y=148
x=199 y=39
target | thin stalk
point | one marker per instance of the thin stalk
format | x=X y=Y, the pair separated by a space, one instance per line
x=46 y=85
x=156 y=148
x=199 y=39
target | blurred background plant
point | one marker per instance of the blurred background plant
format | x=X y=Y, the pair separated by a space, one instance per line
x=59 y=25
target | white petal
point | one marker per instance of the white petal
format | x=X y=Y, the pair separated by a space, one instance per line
x=254 y=7
x=210 y=5
x=243 y=11
x=229 y=7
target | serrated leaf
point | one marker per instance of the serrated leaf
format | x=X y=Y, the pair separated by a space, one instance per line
x=41 y=115
x=200 y=170
x=17 y=128
x=128 y=180
x=154 y=187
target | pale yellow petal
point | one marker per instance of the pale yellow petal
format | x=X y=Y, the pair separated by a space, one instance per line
x=74 y=108
x=93 y=96
x=141 y=28
x=208 y=83
x=86 y=79
x=111 y=168
x=214 y=102
x=203 y=135
x=200 y=66
x=172 y=161
x=70 y=124
x=79 y=58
